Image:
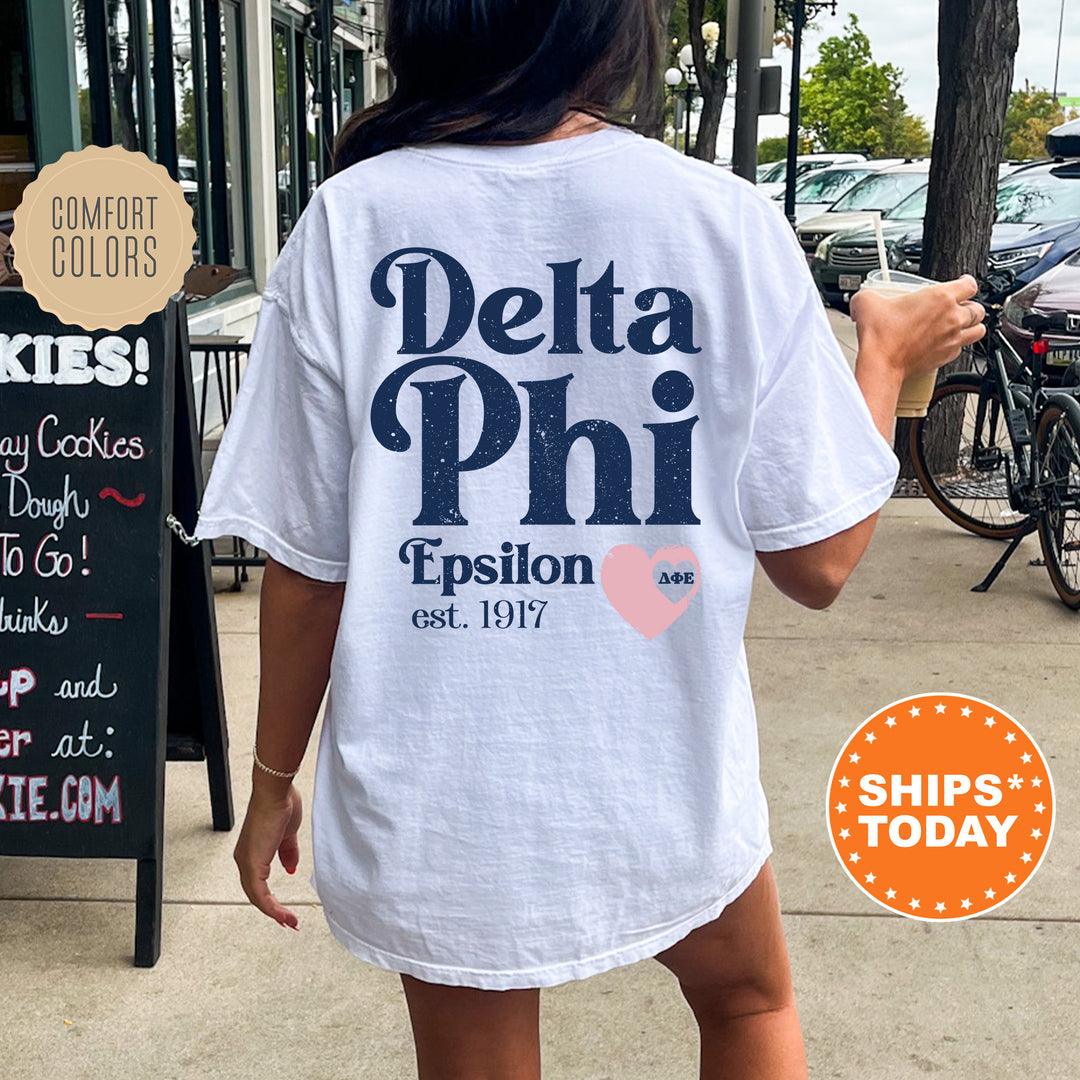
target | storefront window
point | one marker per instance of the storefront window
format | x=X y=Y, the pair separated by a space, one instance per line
x=302 y=102
x=232 y=84
x=283 y=129
x=112 y=42
x=123 y=49
x=187 y=143
x=82 y=73
x=16 y=160
x=312 y=113
x=202 y=128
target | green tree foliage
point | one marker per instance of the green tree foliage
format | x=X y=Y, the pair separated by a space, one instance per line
x=185 y=129
x=1031 y=114
x=772 y=149
x=716 y=82
x=852 y=105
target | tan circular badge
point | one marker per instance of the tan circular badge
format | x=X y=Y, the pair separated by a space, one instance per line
x=103 y=237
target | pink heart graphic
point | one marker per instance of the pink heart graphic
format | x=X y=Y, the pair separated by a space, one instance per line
x=627 y=578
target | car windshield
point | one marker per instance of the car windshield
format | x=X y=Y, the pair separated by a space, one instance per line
x=913 y=208
x=774 y=175
x=827 y=186
x=804 y=167
x=882 y=191
x=1038 y=199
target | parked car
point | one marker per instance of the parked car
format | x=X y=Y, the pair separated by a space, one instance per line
x=1038 y=225
x=1007 y=168
x=774 y=179
x=1056 y=290
x=816 y=191
x=1038 y=221
x=880 y=191
x=843 y=259
x=1064 y=140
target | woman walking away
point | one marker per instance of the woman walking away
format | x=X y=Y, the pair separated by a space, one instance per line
x=527 y=395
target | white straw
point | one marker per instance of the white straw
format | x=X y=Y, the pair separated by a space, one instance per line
x=883 y=256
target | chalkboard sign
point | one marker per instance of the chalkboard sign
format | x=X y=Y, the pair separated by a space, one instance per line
x=90 y=607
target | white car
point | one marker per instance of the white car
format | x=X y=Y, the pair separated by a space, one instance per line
x=879 y=191
x=816 y=191
x=774 y=179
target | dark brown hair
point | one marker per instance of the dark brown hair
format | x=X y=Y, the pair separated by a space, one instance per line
x=503 y=70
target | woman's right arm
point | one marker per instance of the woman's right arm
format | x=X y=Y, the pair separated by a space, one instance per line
x=897 y=338
x=298 y=621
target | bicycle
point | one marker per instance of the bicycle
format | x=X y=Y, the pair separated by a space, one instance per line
x=998 y=452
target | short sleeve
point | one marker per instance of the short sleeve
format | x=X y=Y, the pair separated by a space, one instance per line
x=280 y=477
x=816 y=463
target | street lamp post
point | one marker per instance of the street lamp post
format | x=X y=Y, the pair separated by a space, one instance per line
x=799 y=11
x=674 y=76
x=1057 y=63
x=689 y=109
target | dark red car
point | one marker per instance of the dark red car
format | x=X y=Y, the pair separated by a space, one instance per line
x=1056 y=290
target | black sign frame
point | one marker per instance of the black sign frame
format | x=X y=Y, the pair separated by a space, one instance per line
x=164 y=659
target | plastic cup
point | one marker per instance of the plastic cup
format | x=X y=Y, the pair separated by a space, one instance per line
x=916 y=392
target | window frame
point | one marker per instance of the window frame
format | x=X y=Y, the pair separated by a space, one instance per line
x=156 y=99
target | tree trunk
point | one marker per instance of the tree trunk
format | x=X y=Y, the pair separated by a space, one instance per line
x=651 y=98
x=712 y=84
x=712 y=105
x=123 y=78
x=977 y=42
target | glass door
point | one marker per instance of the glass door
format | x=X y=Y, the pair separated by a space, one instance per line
x=16 y=153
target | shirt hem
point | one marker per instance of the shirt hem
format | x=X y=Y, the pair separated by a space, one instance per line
x=278 y=549
x=835 y=521
x=552 y=974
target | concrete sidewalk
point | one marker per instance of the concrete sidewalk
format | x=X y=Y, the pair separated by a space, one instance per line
x=881 y=997
x=235 y=996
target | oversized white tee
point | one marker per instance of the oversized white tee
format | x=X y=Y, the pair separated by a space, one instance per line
x=537 y=406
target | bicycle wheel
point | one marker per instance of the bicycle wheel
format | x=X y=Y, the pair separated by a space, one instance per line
x=960 y=451
x=1059 y=521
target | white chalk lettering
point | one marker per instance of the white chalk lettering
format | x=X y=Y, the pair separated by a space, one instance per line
x=78 y=689
x=96 y=443
x=66 y=747
x=22 y=502
x=72 y=359
x=39 y=621
x=15 y=452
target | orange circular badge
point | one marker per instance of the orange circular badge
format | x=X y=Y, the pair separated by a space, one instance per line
x=940 y=807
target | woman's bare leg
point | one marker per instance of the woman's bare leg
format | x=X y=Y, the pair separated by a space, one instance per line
x=735 y=975
x=462 y=1033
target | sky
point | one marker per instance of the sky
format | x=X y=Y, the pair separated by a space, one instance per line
x=904 y=33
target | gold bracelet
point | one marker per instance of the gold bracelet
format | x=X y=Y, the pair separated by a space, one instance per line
x=267 y=769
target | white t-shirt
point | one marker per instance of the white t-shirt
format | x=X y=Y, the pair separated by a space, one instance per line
x=487 y=386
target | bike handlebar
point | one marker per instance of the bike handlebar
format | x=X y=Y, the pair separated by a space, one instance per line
x=995 y=287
